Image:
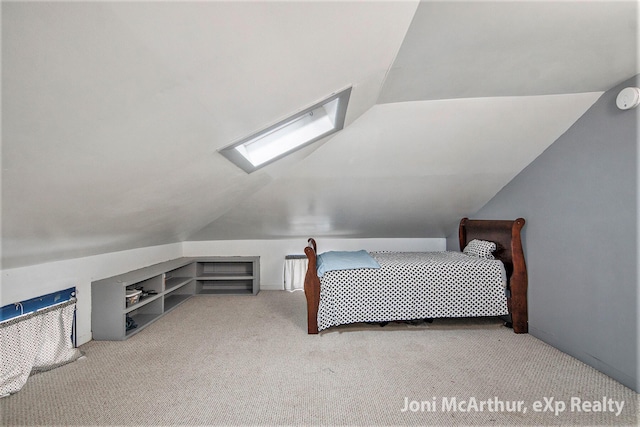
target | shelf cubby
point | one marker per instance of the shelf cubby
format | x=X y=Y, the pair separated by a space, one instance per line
x=178 y=277
x=228 y=275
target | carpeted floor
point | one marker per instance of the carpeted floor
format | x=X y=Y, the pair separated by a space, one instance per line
x=247 y=360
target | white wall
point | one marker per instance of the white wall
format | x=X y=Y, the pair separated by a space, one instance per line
x=272 y=252
x=19 y=284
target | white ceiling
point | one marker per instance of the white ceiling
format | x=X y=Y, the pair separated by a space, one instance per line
x=113 y=113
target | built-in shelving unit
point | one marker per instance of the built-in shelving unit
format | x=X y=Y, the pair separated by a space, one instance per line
x=228 y=275
x=166 y=286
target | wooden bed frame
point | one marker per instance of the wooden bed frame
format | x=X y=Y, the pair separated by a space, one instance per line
x=506 y=235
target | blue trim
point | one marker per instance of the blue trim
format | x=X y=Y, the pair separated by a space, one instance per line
x=29 y=306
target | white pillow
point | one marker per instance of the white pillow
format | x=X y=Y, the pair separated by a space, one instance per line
x=480 y=248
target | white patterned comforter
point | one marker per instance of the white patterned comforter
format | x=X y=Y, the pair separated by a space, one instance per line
x=413 y=285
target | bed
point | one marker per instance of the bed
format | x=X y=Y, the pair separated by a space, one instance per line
x=424 y=285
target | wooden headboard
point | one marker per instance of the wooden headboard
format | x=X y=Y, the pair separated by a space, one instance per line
x=506 y=235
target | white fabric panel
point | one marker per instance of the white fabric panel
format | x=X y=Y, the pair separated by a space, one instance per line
x=295 y=269
x=33 y=343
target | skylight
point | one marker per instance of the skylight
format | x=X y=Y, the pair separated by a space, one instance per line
x=291 y=134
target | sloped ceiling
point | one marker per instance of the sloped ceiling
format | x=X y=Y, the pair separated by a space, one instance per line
x=113 y=113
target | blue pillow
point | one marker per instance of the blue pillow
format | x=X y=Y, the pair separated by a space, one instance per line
x=345 y=260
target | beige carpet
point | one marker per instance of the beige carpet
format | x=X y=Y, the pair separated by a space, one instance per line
x=247 y=360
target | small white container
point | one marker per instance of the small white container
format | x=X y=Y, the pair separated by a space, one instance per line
x=132 y=296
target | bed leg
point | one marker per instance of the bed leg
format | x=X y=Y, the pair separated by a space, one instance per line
x=518 y=309
x=519 y=317
x=313 y=301
x=312 y=330
x=521 y=328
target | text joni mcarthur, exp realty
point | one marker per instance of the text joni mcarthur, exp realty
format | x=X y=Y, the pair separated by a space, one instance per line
x=495 y=404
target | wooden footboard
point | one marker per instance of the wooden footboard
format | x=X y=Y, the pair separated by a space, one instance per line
x=506 y=235
x=312 y=287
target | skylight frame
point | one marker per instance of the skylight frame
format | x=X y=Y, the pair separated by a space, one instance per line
x=234 y=154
